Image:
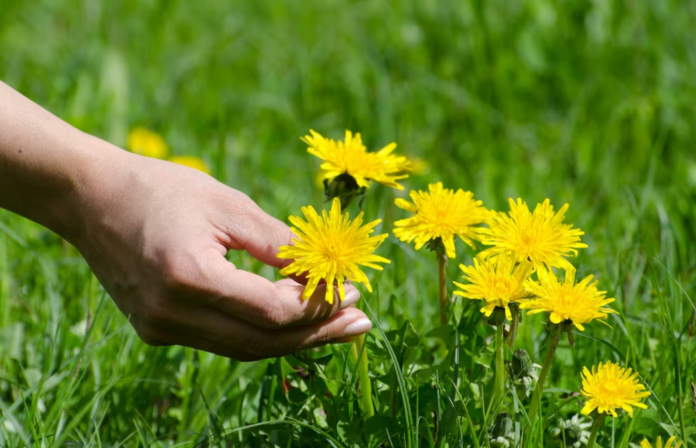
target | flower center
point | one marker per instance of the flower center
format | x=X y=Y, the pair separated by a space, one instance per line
x=527 y=243
x=610 y=386
x=501 y=288
x=331 y=253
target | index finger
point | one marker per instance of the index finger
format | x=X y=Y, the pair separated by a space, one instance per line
x=251 y=229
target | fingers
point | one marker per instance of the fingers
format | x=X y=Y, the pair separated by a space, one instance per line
x=227 y=336
x=253 y=230
x=254 y=299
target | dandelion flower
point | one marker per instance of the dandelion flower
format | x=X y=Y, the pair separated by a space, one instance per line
x=332 y=247
x=191 y=162
x=147 y=143
x=441 y=213
x=352 y=158
x=497 y=281
x=610 y=387
x=671 y=443
x=540 y=237
x=578 y=303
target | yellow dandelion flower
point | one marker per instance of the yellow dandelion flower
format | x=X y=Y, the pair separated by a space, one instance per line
x=610 y=387
x=352 y=158
x=497 y=280
x=441 y=213
x=540 y=237
x=578 y=303
x=147 y=143
x=331 y=247
x=191 y=162
x=671 y=443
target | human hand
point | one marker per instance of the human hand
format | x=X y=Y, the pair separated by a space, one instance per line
x=156 y=234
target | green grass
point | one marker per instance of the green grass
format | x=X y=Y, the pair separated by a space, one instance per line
x=585 y=102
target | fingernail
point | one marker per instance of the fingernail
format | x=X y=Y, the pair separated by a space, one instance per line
x=360 y=326
x=352 y=297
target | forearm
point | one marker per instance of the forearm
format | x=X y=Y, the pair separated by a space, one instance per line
x=45 y=163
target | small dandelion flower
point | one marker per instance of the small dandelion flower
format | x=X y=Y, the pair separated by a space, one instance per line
x=441 y=213
x=671 y=443
x=191 y=162
x=352 y=158
x=147 y=143
x=332 y=247
x=610 y=387
x=540 y=237
x=567 y=302
x=497 y=281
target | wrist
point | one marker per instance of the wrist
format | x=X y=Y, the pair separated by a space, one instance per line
x=94 y=164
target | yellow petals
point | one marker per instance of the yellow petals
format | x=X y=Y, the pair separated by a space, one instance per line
x=671 y=443
x=441 y=213
x=540 y=237
x=609 y=388
x=147 y=143
x=191 y=162
x=332 y=247
x=498 y=281
x=351 y=157
x=578 y=303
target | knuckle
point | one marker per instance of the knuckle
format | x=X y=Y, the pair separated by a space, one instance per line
x=183 y=272
x=275 y=315
x=243 y=201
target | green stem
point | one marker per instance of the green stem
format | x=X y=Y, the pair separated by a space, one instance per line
x=514 y=325
x=556 y=330
x=358 y=353
x=595 y=430
x=499 y=365
x=442 y=259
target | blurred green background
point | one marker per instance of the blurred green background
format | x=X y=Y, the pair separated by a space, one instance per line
x=587 y=102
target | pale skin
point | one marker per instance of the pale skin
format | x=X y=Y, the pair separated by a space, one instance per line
x=155 y=234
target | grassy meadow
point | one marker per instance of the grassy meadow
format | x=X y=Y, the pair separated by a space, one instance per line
x=586 y=102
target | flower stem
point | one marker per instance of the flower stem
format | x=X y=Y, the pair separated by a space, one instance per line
x=358 y=352
x=514 y=325
x=595 y=430
x=556 y=330
x=499 y=365
x=442 y=259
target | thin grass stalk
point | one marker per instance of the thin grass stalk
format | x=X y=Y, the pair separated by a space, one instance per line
x=595 y=430
x=556 y=330
x=667 y=324
x=358 y=352
x=442 y=261
x=409 y=442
